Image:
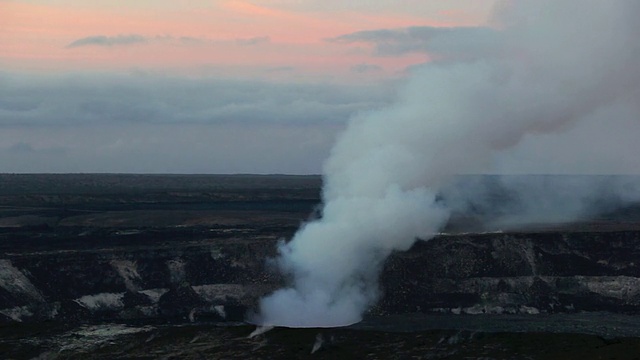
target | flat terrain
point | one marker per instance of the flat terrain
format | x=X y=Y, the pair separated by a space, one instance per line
x=202 y=341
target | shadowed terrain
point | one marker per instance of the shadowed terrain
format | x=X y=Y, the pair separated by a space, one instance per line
x=146 y=266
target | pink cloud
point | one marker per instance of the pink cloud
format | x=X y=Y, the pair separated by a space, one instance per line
x=37 y=36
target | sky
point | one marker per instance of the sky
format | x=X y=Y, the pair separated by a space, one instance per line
x=217 y=37
x=237 y=86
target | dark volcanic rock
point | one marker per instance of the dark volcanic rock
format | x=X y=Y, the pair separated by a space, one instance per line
x=179 y=300
x=195 y=248
x=475 y=274
x=526 y=272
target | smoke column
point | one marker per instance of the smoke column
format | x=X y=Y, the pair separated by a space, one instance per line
x=549 y=64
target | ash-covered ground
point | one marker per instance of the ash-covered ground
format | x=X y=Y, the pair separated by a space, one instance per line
x=167 y=266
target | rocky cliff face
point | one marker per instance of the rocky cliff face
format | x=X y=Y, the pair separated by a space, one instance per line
x=517 y=273
x=216 y=278
x=200 y=253
x=220 y=279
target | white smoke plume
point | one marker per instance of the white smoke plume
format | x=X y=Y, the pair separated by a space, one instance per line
x=525 y=202
x=551 y=64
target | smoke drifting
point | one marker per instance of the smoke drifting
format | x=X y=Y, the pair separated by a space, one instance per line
x=551 y=64
x=512 y=202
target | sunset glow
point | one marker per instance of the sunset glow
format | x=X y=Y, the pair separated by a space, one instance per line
x=232 y=36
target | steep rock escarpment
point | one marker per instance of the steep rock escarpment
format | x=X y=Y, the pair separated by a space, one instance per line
x=517 y=273
x=220 y=279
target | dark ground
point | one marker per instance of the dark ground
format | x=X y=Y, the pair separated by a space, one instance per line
x=61 y=218
x=201 y=341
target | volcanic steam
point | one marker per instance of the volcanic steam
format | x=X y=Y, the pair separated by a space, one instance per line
x=546 y=65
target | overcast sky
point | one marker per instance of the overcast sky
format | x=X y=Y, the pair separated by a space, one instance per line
x=225 y=86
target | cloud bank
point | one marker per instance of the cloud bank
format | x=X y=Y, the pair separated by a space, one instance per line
x=448 y=42
x=101 y=40
x=80 y=99
x=145 y=122
x=133 y=39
